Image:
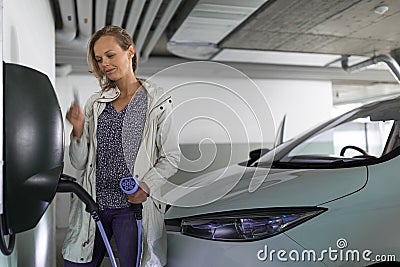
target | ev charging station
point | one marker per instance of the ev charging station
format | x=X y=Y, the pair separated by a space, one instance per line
x=33 y=152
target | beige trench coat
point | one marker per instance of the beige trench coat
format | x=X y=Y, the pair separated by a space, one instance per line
x=157 y=160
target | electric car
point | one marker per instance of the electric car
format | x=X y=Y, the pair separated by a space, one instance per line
x=329 y=197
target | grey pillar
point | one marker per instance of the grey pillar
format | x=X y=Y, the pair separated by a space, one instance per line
x=37 y=247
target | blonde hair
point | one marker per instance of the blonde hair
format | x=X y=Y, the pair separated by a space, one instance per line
x=124 y=41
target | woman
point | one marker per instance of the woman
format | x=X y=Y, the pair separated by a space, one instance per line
x=125 y=130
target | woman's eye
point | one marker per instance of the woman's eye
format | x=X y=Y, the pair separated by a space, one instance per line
x=110 y=56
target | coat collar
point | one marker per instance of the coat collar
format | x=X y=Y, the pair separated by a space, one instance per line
x=156 y=94
x=109 y=95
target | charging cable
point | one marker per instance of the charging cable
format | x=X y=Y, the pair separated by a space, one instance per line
x=91 y=207
x=130 y=185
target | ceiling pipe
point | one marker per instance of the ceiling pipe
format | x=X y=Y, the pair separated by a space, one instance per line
x=163 y=23
x=100 y=14
x=119 y=12
x=146 y=24
x=85 y=18
x=134 y=16
x=68 y=32
x=390 y=61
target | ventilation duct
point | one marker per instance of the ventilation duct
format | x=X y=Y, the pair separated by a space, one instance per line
x=207 y=25
x=162 y=24
x=146 y=24
x=134 y=15
x=101 y=12
x=119 y=12
x=146 y=21
x=83 y=21
x=85 y=18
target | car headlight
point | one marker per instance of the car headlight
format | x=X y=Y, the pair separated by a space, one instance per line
x=245 y=225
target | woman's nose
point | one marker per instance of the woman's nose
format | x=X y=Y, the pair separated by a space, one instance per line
x=105 y=62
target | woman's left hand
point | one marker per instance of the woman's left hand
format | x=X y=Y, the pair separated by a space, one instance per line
x=138 y=197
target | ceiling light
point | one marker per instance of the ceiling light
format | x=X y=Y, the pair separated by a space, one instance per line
x=382 y=9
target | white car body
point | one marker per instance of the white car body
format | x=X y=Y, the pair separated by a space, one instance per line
x=359 y=198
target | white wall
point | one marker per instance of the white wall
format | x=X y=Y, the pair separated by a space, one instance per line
x=29 y=36
x=305 y=103
x=29 y=40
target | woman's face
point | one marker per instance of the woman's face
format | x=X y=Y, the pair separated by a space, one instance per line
x=112 y=60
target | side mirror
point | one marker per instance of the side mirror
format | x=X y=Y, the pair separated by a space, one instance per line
x=256 y=154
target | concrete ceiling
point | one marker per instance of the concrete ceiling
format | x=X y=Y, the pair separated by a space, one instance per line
x=341 y=27
x=337 y=27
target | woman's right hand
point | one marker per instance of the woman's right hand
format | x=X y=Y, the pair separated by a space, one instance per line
x=76 y=117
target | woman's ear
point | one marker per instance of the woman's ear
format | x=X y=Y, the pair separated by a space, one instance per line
x=131 y=51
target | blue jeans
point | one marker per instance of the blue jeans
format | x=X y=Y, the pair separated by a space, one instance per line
x=122 y=224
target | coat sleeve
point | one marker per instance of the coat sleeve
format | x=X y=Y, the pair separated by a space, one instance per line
x=79 y=148
x=168 y=150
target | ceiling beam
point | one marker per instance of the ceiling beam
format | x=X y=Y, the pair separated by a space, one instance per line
x=149 y=17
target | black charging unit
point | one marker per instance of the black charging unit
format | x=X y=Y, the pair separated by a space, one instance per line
x=33 y=153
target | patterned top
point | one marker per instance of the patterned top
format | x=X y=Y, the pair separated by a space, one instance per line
x=111 y=165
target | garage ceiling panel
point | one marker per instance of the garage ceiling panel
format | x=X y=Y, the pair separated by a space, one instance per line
x=358 y=18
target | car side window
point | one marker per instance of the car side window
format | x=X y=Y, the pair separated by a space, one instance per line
x=371 y=137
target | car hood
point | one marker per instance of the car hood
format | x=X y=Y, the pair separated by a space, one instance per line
x=228 y=189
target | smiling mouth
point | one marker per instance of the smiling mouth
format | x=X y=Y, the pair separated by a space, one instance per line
x=108 y=72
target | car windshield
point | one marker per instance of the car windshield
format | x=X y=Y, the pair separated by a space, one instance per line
x=367 y=133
